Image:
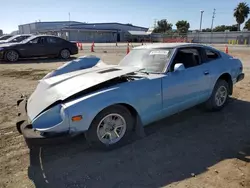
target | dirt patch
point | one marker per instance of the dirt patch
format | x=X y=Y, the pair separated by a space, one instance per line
x=33 y=74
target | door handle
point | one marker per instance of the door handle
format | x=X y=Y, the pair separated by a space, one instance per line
x=206 y=72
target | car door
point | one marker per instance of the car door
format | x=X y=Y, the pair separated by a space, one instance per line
x=211 y=63
x=185 y=88
x=53 y=46
x=33 y=48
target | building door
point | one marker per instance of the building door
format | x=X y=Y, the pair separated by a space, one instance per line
x=118 y=37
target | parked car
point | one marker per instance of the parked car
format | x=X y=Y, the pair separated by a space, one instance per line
x=38 y=46
x=108 y=103
x=16 y=38
x=5 y=37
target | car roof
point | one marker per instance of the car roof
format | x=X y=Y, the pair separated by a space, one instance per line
x=169 y=45
x=22 y=35
x=47 y=36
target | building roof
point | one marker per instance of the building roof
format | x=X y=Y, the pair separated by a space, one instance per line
x=108 y=23
x=142 y=33
x=54 y=22
x=167 y=45
x=89 y=29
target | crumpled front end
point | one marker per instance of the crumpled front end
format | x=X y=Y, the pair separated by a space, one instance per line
x=50 y=125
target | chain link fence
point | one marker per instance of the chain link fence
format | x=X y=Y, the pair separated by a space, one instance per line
x=234 y=38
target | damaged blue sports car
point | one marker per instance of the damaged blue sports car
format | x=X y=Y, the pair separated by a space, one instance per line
x=109 y=102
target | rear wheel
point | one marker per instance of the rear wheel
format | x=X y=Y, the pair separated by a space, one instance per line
x=219 y=96
x=110 y=128
x=65 y=54
x=11 y=56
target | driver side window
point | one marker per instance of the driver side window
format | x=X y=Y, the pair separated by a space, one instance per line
x=189 y=57
x=35 y=41
x=38 y=40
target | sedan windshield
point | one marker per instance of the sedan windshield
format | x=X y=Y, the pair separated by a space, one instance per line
x=28 y=39
x=5 y=37
x=151 y=60
x=17 y=38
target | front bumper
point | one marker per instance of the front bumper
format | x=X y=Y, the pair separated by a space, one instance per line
x=29 y=133
x=240 y=77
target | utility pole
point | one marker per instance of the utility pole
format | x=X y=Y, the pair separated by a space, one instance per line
x=212 y=26
x=213 y=20
x=202 y=11
x=155 y=23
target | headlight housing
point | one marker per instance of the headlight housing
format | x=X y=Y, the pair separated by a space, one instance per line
x=49 y=118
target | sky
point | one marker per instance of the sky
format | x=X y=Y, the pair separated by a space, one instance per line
x=138 y=12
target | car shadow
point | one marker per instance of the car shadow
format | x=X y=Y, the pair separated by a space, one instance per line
x=38 y=60
x=176 y=148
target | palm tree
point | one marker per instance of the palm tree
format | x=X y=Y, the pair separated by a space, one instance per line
x=241 y=13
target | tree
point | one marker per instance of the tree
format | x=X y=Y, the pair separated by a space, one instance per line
x=247 y=25
x=222 y=28
x=182 y=26
x=163 y=26
x=241 y=13
x=206 y=30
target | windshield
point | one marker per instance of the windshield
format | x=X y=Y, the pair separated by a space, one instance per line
x=28 y=39
x=17 y=38
x=5 y=37
x=151 y=60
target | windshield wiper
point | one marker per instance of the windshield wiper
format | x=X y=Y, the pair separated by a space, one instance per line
x=145 y=72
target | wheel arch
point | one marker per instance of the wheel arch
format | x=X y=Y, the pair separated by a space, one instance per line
x=65 y=48
x=12 y=50
x=228 y=78
x=130 y=108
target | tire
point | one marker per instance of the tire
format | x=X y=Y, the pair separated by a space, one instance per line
x=11 y=56
x=64 y=54
x=100 y=134
x=212 y=103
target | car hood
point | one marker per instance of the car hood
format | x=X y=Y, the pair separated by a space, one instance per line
x=59 y=88
x=4 y=44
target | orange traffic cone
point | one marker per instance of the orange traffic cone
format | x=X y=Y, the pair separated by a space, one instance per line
x=128 y=49
x=81 y=46
x=92 y=47
x=93 y=44
x=226 y=49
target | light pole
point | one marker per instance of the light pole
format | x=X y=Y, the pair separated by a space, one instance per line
x=200 y=23
x=69 y=26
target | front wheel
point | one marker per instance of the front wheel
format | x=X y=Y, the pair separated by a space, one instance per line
x=11 y=56
x=110 y=128
x=219 y=96
x=65 y=54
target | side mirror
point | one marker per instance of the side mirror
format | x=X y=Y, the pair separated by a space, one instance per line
x=179 y=67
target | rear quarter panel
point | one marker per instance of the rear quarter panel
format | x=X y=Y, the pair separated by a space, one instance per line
x=143 y=95
x=225 y=64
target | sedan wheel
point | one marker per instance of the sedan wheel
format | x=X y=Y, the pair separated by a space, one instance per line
x=11 y=56
x=111 y=128
x=65 y=54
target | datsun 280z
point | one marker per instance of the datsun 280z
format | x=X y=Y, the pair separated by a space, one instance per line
x=109 y=102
